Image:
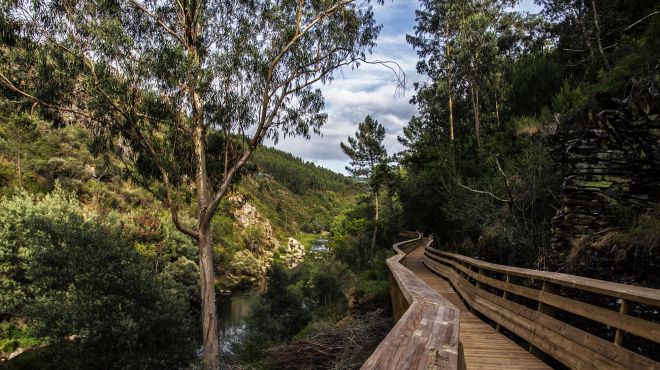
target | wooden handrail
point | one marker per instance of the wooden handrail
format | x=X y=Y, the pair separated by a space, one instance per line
x=477 y=282
x=426 y=333
x=628 y=292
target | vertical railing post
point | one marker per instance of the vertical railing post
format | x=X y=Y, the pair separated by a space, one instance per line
x=507 y=280
x=480 y=285
x=623 y=309
x=546 y=310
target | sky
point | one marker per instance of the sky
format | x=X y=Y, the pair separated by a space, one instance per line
x=370 y=89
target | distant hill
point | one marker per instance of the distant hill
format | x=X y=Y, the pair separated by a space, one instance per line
x=296 y=174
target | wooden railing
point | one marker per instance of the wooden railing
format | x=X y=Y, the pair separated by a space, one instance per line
x=426 y=333
x=532 y=304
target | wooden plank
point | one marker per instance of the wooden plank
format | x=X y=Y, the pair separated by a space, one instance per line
x=522 y=328
x=630 y=292
x=595 y=348
x=618 y=337
x=484 y=348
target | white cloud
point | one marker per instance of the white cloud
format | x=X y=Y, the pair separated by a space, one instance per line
x=369 y=90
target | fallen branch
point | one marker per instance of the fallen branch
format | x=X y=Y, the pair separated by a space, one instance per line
x=483 y=192
x=506 y=181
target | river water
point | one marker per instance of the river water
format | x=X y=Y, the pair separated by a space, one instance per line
x=233 y=309
x=232 y=312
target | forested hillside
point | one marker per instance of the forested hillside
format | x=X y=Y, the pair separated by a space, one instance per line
x=48 y=171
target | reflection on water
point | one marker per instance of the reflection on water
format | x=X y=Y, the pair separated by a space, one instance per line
x=232 y=312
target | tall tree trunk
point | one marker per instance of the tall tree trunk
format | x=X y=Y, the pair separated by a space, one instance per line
x=209 y=314
x=475 y=109
x=20 y=174
x=449 y=91
x=373 y=237
x=497 y=110
x=207 y=274
x=601 y=51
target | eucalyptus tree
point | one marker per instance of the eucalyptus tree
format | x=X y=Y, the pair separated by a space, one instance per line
x=183 y=91
x=435 y=30
x=459 y=46
x=368 y=160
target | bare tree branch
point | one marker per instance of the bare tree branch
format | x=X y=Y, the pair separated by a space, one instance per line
x=483 y=192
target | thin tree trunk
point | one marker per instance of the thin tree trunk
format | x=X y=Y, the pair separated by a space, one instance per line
x=497 y=110
x=20 y=174
x=451 y=105
x=373 y=237
x=207 y=274
x=601 y=51
x=475 y=109
x=209 y=317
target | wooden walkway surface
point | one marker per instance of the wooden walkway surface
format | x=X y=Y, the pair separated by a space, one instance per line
x=483 y=346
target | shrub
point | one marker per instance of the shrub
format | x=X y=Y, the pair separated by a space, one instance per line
x=73 y=277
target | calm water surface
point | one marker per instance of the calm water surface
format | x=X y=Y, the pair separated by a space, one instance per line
x=232 y=312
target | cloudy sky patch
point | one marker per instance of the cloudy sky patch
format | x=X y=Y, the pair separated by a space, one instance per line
x=369 y=89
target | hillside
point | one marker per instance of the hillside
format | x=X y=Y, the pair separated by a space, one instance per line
x=282 y=197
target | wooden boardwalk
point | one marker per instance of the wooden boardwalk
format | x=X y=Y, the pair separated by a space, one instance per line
x=483 y=346
x=435 y=330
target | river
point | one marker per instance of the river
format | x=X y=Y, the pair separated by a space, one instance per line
x=233 y=309
x=232 y=312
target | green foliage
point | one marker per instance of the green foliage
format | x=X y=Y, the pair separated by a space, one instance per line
x=70 y=276
x=317 y=291
x=569 y=99
x=295 y=174
x=13 y=336
x=366 y=149
x=277 y=315
x=494 y=194
x=535 y=80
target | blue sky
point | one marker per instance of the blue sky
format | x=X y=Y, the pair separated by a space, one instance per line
x=369 y=90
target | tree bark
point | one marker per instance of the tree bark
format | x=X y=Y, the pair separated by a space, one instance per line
x=451 y=105
x=475 y=109
x=209 y=317
x=497 y=110
x=601 y=51
x=207 y=273
x=373 y=237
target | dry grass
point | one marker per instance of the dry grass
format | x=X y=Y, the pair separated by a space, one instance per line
x=343 y=346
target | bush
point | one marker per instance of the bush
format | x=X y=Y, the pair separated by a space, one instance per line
x=70 y=276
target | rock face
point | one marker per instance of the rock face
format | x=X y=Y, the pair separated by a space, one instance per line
x=612 y=161
x=248 y=217
x=251 y=264
x=295 y=253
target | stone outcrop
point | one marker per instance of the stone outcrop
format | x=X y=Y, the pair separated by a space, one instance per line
x=247 y=216
x=611 y=162
x=295 y=253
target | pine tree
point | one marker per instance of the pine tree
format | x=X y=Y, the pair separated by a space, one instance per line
x=367 y=152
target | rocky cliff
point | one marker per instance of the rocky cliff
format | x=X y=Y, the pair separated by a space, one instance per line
x=611 y=164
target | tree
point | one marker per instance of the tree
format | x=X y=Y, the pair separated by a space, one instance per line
x=465 y=47
x=434 y=34
x=366 y=151
x=184 y=91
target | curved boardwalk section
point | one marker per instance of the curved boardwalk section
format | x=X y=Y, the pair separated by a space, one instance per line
x=440 y=322
x=426 y=333
x=483 y=346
